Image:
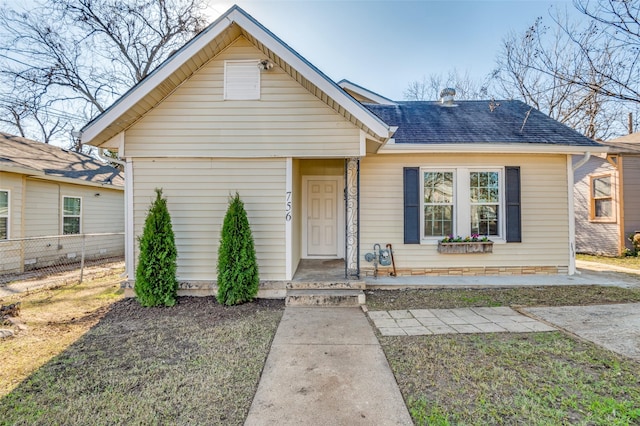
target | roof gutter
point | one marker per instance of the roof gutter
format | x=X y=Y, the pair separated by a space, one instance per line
x=582 y=161
x=109 y=159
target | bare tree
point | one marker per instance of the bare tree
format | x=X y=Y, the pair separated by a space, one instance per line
x=429 y=87
x=78 y=56
x=582 y=75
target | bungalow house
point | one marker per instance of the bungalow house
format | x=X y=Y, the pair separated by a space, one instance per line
x=329 y=172
x=607 y=198
x=49 y=199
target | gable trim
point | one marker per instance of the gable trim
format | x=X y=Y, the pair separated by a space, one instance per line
x=269 y=40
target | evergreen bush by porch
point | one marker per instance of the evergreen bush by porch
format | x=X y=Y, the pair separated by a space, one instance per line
x=156 y=282
x=238 y=279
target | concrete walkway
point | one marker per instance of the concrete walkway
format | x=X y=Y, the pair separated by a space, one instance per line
x=615 y=327
x=423 y=322
x=326 y=367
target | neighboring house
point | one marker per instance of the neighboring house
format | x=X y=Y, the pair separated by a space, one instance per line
x=47 y=191
x=607 y=198
x=324 y=176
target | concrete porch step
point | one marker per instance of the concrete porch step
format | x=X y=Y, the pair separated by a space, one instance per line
x=325 y=298
x=327 y=285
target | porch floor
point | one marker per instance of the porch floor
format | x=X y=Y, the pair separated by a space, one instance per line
x=320 y=270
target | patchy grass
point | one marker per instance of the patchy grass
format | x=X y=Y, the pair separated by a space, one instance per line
x=505 y=378
x=632 y=262
x=533 y=378
x=54 y=319
x=194 y=363
x=521 y=296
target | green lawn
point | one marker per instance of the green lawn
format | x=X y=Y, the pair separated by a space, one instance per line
x=632 y=262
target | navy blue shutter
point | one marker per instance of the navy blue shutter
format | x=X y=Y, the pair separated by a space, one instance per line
x=513 y=214
x=412 y=205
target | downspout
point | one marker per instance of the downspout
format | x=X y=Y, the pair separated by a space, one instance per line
x=582 y=162
x=572 y=220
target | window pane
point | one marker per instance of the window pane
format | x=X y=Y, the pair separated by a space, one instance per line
x=438 y=187
x=4 y=202
x=71 y=225
x=3 y=228
x=604 y=208
x=438 y=221
x=484 y=187
x=484 y=220
x=71 y=206
x=602 y=187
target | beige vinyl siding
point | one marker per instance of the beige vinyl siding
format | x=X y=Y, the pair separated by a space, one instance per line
x=545 y=230
x=14 y=183
x=287 y=121
x=593 y=237
x=631 y=170
x=197 y=192
x=10 y=260
x=41 y=205
x=43 y=215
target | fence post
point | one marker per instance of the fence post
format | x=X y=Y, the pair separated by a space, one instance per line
x=82 y=258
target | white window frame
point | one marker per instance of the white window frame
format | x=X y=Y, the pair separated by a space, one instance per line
x=462 y=201
x=63 y=216
x=8 y=215
x=244 y=95
x=454 y=203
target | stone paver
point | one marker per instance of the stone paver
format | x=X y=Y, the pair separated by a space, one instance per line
x=419 y=322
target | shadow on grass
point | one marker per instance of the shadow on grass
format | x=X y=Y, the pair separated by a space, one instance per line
x=195 y=363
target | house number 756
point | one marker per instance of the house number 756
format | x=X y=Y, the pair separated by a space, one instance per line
x=287 y=207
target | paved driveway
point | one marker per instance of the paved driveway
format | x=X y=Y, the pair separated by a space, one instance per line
x=615 y=327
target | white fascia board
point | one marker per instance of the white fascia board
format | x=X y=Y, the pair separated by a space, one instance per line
x=78 y=182
x=235 y=14
x=20 y=170
x=138 y=92
x=512 y=148
x=346 y=84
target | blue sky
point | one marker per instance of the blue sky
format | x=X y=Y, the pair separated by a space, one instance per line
x=383 y=45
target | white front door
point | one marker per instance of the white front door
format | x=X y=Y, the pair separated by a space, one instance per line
x=322 y=217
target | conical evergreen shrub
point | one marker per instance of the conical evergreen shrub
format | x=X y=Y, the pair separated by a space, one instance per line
x=156 y=282
x=238 y=279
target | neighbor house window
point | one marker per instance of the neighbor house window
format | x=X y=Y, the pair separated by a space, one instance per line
x=462 y=201
x=4 y=215
x=602 y=198
x=438 y=203
x=241 y=80
x=71 y=215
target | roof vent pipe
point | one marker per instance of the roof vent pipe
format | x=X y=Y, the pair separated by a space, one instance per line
x=447 y=95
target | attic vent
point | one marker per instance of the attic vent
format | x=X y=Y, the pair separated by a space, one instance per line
x=447 y=95
x=241 y=80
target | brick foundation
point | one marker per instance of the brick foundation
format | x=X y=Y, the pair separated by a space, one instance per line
x=469 y=272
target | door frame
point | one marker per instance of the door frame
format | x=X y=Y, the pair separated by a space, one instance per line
x=339 y=215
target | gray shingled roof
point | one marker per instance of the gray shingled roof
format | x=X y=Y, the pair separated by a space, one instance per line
x=54 y=161
x=474 y=122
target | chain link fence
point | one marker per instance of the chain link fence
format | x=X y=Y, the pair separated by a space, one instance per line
x=64 y=255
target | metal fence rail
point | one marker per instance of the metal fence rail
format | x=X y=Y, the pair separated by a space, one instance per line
x=22 y=258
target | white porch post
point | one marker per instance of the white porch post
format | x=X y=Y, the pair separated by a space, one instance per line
x=352 y=205
x=288 y=217
x=572 y=219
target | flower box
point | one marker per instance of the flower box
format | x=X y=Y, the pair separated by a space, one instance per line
x=465 y=247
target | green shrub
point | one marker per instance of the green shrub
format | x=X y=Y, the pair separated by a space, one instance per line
x=156 y=282
x=238 y=279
